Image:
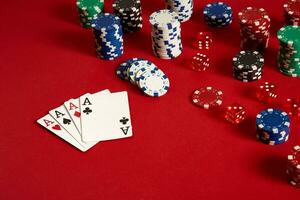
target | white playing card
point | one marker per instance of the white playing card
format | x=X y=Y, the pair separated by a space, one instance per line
x=49 y=123
x=105 y=117
x=61 y=115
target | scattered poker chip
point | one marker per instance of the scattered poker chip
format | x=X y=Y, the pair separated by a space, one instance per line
x=183 y=8
x=165 y=34
x=289 y=53
x=108 y=36
x=254 y=29
x=145 y=75
x=130 y=12
x=247 y=66
x=292 y=12
x=88 y=10
x=272 y=126
x=293 y=166
x=207 y=97
x=218 y=14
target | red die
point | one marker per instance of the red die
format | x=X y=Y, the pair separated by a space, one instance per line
x=267 y=93
x=235 y=113
x=200 y=62
x=292 y=107
x=203 y=40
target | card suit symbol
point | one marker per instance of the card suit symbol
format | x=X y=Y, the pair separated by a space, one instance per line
x=66 y=121
x=56 y=127
x=124 y=120
x=77 y=114
x=87 y=110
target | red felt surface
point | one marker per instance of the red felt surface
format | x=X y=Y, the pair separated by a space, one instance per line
x=178 y=151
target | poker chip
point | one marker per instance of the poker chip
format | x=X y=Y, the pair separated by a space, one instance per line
x=289 y=52
x=88 y=10
x=183 y=8
x=130 y=12
x=108 y=36
x=272 y=126
x=217 y=14
x=247 y=66
x=165 y=34
x=254 y=29
x=145 y=75
x=292 y=12
x=293 y=166
x=207 y=97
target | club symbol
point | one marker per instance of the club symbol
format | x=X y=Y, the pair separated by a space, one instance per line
x=87 y=110
x=66 y=121
x=124 y=120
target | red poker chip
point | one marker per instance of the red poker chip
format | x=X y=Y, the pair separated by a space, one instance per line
x=207 y=97
x=294 y=158
x=292 y=8
x=253 y=16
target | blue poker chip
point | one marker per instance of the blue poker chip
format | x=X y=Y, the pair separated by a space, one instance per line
x=218 y=14
x=106 y=21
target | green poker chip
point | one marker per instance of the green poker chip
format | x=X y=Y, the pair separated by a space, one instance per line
x=88 y=10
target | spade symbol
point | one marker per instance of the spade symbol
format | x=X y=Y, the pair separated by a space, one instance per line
x=66 y=121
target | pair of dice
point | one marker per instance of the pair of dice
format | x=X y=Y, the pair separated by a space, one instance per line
x=200 y=62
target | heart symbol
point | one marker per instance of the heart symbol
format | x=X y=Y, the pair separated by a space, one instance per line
x=77 y=114
x=56 y=127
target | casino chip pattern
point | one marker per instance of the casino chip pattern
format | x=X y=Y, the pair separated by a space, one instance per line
x=207 y=97
x=217 y=14
x=272 y=126
x=292 y=12
x=88 y=10
x=293 y=166
x=145 y=75
x=183 y=8
x=130 y=12
x=108 y=35
x=165 y=34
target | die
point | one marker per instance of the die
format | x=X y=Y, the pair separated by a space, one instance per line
x=267 y=93
x=235 y=113
x=292 y=107
x=199 y=62
x=203 y=40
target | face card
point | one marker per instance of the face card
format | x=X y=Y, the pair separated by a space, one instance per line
x=49 y=123
x=105 y=117
x=61 y=115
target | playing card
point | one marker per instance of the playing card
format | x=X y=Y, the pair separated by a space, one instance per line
x=49 y=123
x=105 y=117
x=61 y=115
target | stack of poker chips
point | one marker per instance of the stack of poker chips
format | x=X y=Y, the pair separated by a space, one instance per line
x=166 y=34
x=88 y=10
x=217 y=14
x=145 y=75
x=272 y=126
x=293 y=166
x=108 y=35
x=292 y=12
x=254 y=29
x=247 y=66
x=184 y=8
x=130 y=12
x=289 y=52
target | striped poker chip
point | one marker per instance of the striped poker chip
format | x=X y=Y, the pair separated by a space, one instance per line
x=183 y=8
x=253 y=16
x=207 y=97
x=293 y=166
x=136 y=66
x=164 y=18
x=217 y=14
x=248 y=60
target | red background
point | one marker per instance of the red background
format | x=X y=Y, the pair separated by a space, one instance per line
x=178 y=151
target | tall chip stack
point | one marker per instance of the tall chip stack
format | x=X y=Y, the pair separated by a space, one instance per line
x=130 y=12
x=184 y=8
x=272 y=126
x=292 y=12
x=166 y=34
x=217 y=14
x=293 y=166
x=108 y=35
x=88 y=10
x=254 y=29
x=289 y=52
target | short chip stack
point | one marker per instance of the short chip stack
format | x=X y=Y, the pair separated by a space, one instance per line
x=292 y=12
x=108 y=36
x=247 y=66
x=254 y=29
x=272 y=126
x=145 y=75
x=217 y=14
x=166 y=34
x=184 y=8
x=88 y=10
x=289 y=52
x=130 y=12
x=293 y=166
